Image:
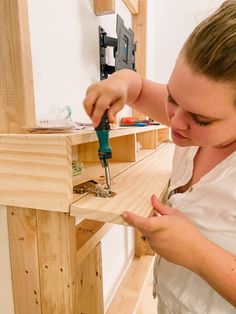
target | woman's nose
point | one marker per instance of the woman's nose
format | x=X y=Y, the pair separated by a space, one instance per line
x=179 y=120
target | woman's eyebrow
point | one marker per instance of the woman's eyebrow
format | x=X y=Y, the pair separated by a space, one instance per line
x=196 y=115
x=172 y=99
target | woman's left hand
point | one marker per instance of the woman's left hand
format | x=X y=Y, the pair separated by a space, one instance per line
x=170 y=234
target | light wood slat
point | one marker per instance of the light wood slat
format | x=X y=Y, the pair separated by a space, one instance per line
x=88 y=234
x=89 y=295
x=102 y=7
x=36 y=173
x=134 y=188
x=22 y=226
x=127 y=297
x=139 y=26
x=57 y=261
x=132 y=5
x=16 y=78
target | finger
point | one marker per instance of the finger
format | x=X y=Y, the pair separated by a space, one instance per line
x=115 y=108
x=89 y=103
x=162 y=208
x=102 y=104
x=145 y=225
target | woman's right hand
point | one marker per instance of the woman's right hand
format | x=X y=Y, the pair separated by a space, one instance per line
x=110 y=95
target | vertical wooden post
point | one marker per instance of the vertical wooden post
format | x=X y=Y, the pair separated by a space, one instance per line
x=90 y=292
x=16 y=78
x=24 y=260
x=139 y=25
x=57 y=261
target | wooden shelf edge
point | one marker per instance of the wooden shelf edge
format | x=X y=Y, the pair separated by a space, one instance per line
x=128 y=295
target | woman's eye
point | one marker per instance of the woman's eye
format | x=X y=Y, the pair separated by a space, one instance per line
x=171 y=100
x=201 y=123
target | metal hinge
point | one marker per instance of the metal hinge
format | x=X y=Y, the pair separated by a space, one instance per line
x=92 y=187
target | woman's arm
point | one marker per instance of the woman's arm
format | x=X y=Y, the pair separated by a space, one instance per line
x=175 y=238
x=126 y=87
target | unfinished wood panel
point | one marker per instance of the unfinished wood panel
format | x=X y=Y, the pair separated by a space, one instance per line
x=85 y=136
x=139 y=26
x=16 y=79
x=163 y=135
x=127 y=297
x=133 y=188
x=124 y=148
x=6 y=292
x=88 y=234
x=132 y=5
x=36 y=172
x=148 y=140
x=57 y=261
x=90 y=291
x=102 y=7
x=24 y=260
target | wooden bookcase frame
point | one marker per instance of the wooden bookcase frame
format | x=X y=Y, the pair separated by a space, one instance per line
x=55 y=264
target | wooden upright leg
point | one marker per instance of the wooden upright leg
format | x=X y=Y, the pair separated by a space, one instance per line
x=57 y=261
x=43 y=257
x=22 y=228
x=90 y=289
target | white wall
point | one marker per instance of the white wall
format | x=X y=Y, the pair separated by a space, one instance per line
x=64 y=41
x=170 y=24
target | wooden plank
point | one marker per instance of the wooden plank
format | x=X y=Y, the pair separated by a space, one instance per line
x=24 y=260
x=163 y=135
x=133 y=188
x=102 y=7
x=89 y=295
x=139 y=26
x=16 y=78
x=148 y=139
x=88 y=234
x=6 y=292
x=36 y=172
x=132 y=5
x=127 y=297
x=57 y=261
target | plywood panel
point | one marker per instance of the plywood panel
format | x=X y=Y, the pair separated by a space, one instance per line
x=134 y=188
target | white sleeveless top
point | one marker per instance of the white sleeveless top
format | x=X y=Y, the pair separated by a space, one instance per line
x=211 y=205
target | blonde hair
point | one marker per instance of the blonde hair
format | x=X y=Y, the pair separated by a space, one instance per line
x=211 y=47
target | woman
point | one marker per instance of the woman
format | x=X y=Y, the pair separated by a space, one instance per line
x=195 y=231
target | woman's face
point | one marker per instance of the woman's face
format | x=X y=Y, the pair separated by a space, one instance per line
x=201 y=111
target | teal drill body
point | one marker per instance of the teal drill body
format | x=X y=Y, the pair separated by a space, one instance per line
x=104 y=150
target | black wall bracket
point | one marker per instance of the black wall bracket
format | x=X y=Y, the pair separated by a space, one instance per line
x=124 y=49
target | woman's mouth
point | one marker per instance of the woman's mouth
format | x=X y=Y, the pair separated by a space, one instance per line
x=178 y=135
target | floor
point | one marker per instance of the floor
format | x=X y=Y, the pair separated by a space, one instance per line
x=147 y=304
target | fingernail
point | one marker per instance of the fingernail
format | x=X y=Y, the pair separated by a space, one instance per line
x=124 y=215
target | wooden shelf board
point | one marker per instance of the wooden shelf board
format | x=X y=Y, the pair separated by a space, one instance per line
x=79 y=136
x=127 y=297
x=133 y=189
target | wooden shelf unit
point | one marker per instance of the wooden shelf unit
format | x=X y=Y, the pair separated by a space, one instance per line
x=37 y=187
x=36 y=169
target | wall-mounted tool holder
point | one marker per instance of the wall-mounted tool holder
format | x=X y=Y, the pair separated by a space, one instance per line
x=124 y=49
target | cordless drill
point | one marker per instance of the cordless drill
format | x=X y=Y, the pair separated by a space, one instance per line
x=104 y=150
